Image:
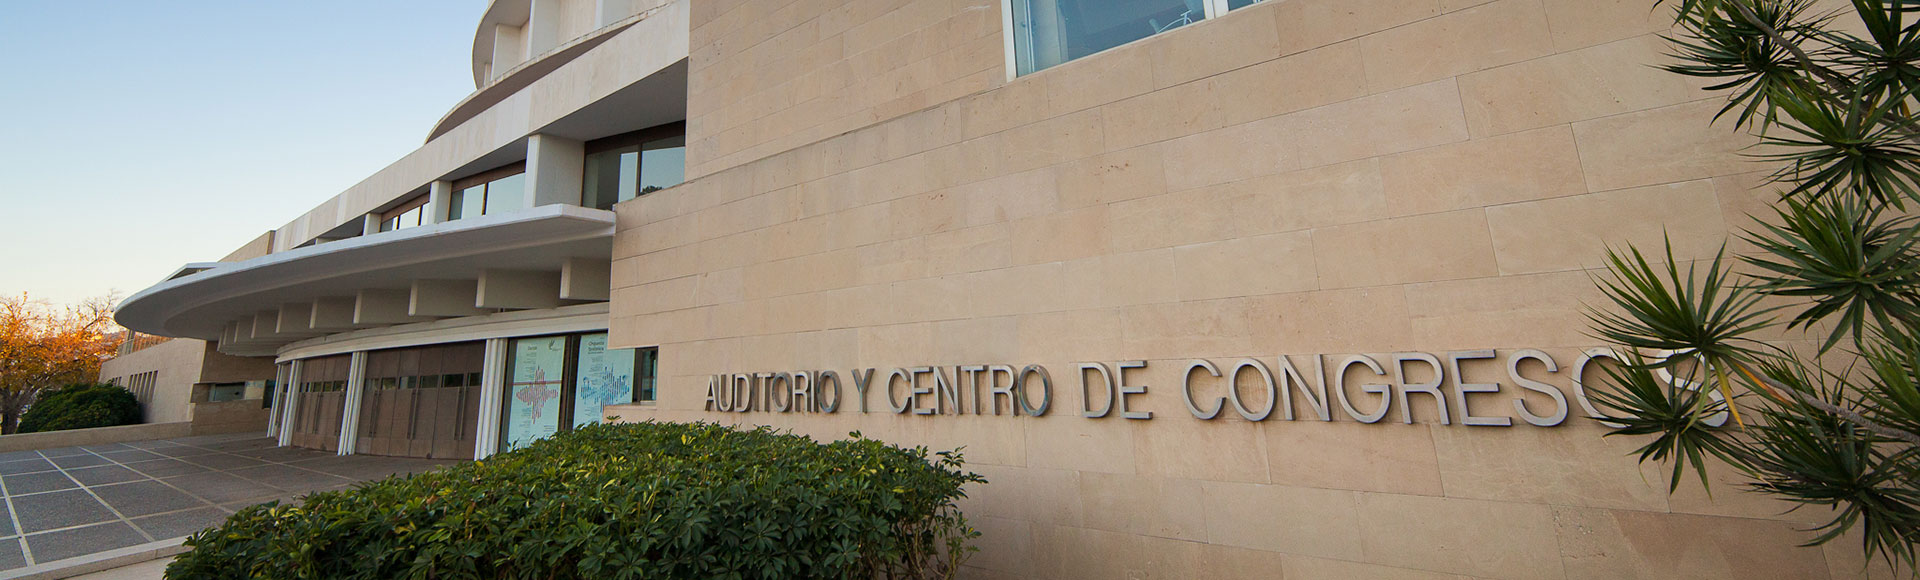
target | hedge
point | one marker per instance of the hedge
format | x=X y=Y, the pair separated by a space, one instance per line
x=81 y=406
x=635 y=500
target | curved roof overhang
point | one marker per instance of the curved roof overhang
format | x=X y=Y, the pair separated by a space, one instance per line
x=204 y=304
x=491 y=93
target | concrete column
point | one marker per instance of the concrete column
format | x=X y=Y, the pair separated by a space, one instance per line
x=273 y=412
x=556 y=169
x=509 y=49
x=350 y=415
x=445 y=298
x=266 y=325
x=293 y=403
x=296 y=319
x=493 y=391
x=586 y=279
x=381 y=306
x=611 y=11
x=543 y=26
x=518 y=289
x=332 y=314
x=439 y=201
x=370 y=224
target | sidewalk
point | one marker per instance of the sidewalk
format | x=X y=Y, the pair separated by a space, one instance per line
x=68 y=503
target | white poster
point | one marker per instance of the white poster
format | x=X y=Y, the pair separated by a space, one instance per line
x=533 y=390
x=605 y=378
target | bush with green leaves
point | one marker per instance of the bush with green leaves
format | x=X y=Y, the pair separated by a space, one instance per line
x=1831 y=94
x=81 y=406
x=635 y=500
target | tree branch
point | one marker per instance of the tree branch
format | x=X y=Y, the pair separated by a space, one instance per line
x=1783 y=392
x=1835 y=82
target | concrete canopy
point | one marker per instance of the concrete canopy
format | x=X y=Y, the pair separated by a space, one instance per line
x=205 y=304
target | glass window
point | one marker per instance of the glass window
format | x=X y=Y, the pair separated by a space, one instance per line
x=1238 y=4
x=506 y=194
x=646 y=372
x=610 y=177
x=503 y=194
x=663 y=164
x=469 y=202
x=534 y=383
x=605 y=377
x=558 y=383
x=414 y=215
x=1050 y=32
x=617 y=175
x=226 y=392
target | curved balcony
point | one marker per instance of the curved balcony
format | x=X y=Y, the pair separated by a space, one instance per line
x=543 y=257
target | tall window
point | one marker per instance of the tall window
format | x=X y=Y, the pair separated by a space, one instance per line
x=1050 y=32
x=626 y=166
x=557 y=383
x=503 y=189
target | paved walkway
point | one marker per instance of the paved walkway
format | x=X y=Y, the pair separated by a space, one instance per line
x=75 y=501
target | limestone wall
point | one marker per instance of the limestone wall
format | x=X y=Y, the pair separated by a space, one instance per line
x=178 y=363
x=1298 y=178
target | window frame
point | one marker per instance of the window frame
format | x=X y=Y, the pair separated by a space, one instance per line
x=1210 y=9
x=483 y=180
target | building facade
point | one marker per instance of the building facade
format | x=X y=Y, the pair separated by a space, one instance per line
x=1205 y=288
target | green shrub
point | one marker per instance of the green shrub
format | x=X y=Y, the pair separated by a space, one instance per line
x=81 y=406
x=637 y=500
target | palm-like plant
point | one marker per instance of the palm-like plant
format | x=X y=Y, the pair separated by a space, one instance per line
x=1838 y=427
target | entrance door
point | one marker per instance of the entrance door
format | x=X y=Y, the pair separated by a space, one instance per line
x=421 y=401
x=322 y=396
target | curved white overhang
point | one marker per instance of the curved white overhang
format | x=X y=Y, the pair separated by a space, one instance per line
x=490 y=93
x=206 y=303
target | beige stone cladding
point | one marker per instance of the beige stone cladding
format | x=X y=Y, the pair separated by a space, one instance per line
x=181 y=364
x=1296 y=178
x=177 y=362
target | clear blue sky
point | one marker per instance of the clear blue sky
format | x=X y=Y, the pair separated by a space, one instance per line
x=138 y=135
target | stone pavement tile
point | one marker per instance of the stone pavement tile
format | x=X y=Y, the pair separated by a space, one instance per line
x=65 y=544
x=6 y=523
x=181 y=523
x=181 y=451
x=290 y=478
x=25 y=466
x=10 y=555
x=60 y=509
x=148 y=570
x=63 y=452
x=212 y=440
x=152 y=444
x=72 y=461
x=167 y=468
x=130 y=455
x=223 y=461
x=37 y=482
x=146 y=497
x=18 y=455
x=222 y=488
x=367 y=468
x=242 y=445
x=282 y=454
x=103 y=447
x=103 y=475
